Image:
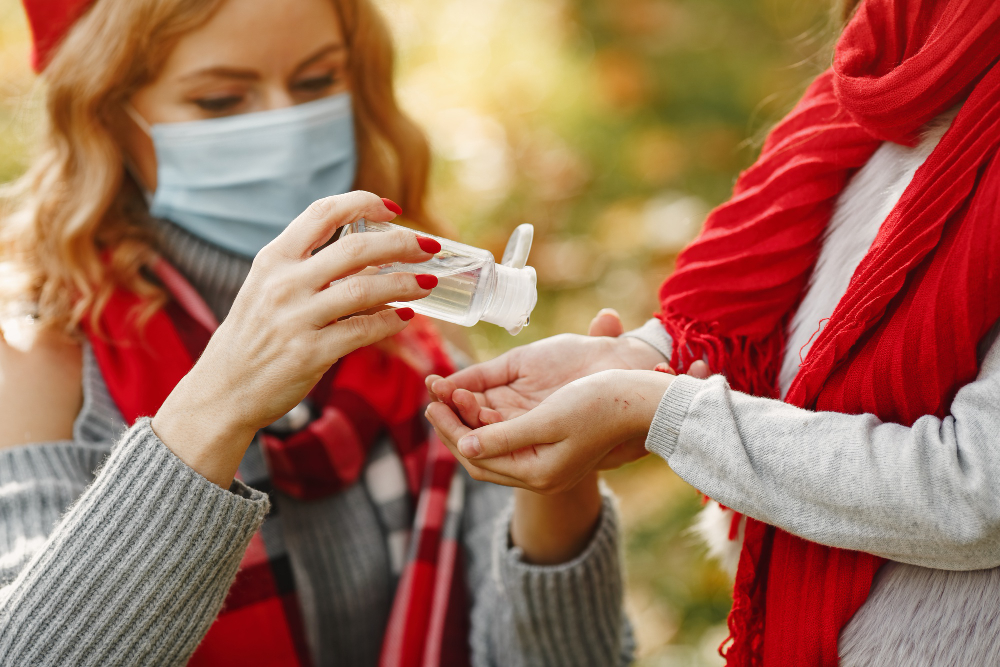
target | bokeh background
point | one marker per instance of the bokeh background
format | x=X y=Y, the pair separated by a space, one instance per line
x=613 y=126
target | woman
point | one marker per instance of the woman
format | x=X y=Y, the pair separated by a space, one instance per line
x=853 y=275
x=183 y=136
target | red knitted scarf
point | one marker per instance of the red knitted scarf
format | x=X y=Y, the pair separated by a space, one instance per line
x=904 y=337
x=367 y=393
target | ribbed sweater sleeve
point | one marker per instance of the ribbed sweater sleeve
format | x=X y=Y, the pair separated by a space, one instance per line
x=653 y=334
x=927 y=495
x=137 y=569
x=545 y=616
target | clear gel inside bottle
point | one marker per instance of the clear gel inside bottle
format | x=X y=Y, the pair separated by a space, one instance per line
x=471 y=285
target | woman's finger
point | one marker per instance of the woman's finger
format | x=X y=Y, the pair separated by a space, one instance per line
x=345 y=336
x=359 y=293
x=358 y=251
x=316 y=225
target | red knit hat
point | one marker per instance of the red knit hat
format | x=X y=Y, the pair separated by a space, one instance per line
x=50 y=20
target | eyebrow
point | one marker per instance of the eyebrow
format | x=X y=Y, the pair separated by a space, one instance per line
x=324 y=51
x=227 y=72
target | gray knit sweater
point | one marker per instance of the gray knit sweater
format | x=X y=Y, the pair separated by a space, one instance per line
x=926 y=497
x=113 y=552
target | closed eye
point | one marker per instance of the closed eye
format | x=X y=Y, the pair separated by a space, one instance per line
x=315 y=84
x=218 y=104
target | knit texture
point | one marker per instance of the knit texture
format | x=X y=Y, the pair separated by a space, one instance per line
x=904 y=337
x=340 y=549
x=913 y=615
x=135 y=571
x=926 y=496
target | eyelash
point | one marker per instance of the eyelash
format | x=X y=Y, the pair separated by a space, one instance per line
x=311 y=85
x=218 y=104
x=316 y=83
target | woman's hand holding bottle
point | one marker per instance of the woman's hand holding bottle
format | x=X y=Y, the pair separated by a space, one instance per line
x=285 y=330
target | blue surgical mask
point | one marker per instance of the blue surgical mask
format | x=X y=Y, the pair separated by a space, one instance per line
x=238 y=181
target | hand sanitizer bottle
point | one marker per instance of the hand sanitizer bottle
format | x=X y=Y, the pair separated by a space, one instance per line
x=471 y=285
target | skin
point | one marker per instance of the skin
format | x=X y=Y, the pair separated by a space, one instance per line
x=40 y=386
x=545 y=416
x=297 y=55
x=287 y=325
x=551 y=525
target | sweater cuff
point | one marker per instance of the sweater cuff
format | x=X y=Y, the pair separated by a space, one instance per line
x=576 y=605
x=653 y=334
x=670 y=414
x=151 y=548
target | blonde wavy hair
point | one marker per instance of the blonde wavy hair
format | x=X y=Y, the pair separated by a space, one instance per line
x=70 y=236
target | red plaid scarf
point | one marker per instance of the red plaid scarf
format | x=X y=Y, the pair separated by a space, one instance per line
x=368 y=392
x=904 y=337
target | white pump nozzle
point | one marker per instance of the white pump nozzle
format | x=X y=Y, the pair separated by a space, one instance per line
x=516 y=294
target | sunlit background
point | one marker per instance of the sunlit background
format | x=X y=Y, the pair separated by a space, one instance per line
x=612 y=126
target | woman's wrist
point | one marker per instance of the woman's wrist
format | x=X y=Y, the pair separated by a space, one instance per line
x=554 y=529
x=203 y=432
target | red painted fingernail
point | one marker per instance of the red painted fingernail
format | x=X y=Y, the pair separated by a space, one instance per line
x=405 y=314
x=429 y=245
x=392 y=206
x=427 y=281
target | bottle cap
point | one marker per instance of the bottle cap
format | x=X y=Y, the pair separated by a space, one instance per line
x=513 y=298
x=516 y=290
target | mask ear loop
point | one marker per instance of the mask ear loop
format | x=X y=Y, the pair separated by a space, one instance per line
x=127 y=160
x=137 y=117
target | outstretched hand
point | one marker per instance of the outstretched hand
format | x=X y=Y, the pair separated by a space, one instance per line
x=595 y=422
x=520 y=379
x=554 y=410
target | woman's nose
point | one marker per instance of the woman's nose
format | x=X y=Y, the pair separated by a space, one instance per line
x=277 y=96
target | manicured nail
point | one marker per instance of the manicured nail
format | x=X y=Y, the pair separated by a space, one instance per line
x=427 y=281
x=469 y=447
x=405 y=314
x=428 y=245
x=392 y=206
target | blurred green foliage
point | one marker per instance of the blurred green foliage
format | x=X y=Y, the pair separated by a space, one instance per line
x=611 y=125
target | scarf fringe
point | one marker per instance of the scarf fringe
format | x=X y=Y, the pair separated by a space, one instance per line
x=750 y=364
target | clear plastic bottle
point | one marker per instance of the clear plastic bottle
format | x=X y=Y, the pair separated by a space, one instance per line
x=471 y=285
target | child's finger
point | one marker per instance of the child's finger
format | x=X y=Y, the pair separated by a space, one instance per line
x=490 y=416
x=699 y=369
x=468 y=407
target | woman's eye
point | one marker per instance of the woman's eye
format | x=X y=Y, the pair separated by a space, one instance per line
x=315 y=84
x=218 y=104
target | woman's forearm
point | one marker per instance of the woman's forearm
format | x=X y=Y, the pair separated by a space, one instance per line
x=136 y=571
x=553 y=529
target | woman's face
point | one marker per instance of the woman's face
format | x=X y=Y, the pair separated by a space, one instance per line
x=252 y=55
